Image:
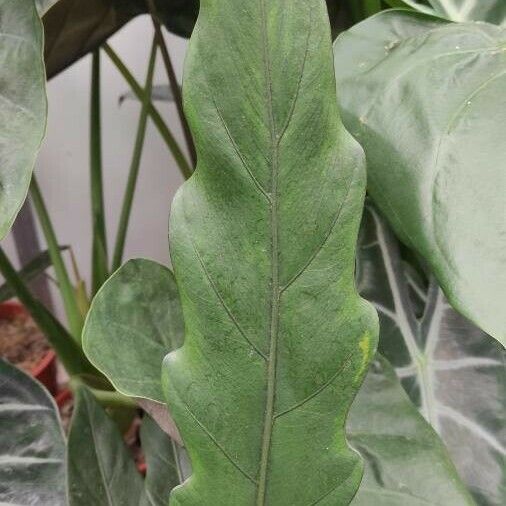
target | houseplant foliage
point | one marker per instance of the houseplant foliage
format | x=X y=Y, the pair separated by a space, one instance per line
x=266 y=390
x=401 y=452
x=402 y=74
x=32 y=469
x=452 y=370
x=253 y=272
x=24 y=108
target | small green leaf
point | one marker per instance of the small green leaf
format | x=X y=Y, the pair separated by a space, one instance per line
x=451 y=370
x=137 y=309
x=406 y=462
x=163 y=473
x=101 y=469
x=262 y=241
x=23 y=106
x=426 y=100
x=32 y=446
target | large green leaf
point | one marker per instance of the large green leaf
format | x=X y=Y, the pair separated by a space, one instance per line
x=262 y=241
x=406 y=462
x=137 y=309
x=32 y=447
x=162 y=463
x=426 y=100
x=453 y=371
x=23 y=107
x=73 y=28
x=101 y=469
x=493 y=11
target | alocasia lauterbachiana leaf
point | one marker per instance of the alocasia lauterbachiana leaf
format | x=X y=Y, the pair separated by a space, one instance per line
x=262 y=241
x=32 y=446
x=453 y=371
x=73 y=28
x=101 y=469
x=406 y=462
x=426 y=100
x=137 y=309
x=493 y=11
x=23 y=107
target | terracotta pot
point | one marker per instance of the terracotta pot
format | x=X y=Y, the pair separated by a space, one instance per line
x=45 y=370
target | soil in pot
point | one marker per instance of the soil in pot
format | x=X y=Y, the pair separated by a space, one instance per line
x=24 y=345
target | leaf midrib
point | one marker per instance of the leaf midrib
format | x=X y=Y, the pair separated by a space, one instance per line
x=275 y=293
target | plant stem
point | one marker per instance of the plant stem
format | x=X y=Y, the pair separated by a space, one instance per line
x=70 y=354
x=99 y=247
x=174 y=85
x=166 y=134
x=74 y=317
x=107 y=398
x=135 y=164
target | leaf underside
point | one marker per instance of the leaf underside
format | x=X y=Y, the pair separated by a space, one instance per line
x=426 y=100
x=451 y=370
x=22 y=103
x=32 y=446
x=262 y=241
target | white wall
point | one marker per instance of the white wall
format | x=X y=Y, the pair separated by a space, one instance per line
x=63 y=164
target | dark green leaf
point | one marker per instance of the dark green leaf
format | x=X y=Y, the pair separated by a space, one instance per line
x=163 y=473
x=452 y=371
x=23 y=106
x=406 y=462
x=426 y=100
x=29 y=272
x=101 y=470
x=262 y=242
x=73 y=28
x=137 y=309
x=32 y=446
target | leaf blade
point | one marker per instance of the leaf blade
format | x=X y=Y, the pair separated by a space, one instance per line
x=406 y=462
x=260 y=239
x=425 y=181
x=23 y=104
x=32 y=446
x=453 y=372
x=101 y=471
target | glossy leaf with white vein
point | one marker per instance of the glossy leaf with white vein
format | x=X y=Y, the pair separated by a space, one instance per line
x=23 y=107
x=262 y=241
x=32 y=445
x=452 y=371
x=426 y=100
x=406 y=462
